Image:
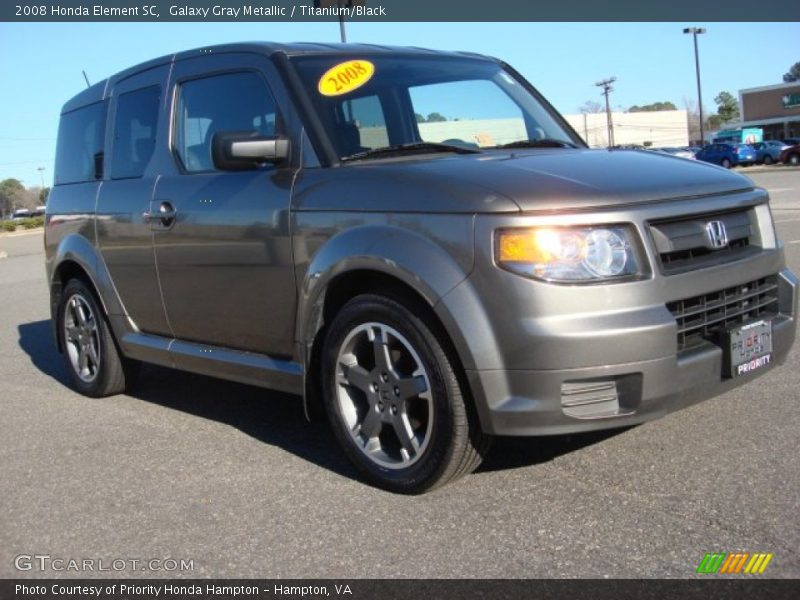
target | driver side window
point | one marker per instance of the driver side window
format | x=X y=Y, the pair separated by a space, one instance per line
x=229 y=102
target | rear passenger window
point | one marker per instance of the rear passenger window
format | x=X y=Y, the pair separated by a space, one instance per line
x=231 y=102
x=134 y=132
x=79 y=150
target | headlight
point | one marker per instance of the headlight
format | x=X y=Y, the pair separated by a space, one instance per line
x=568 y=253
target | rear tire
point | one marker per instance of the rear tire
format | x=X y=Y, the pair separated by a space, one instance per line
x=394 y=399
x=93 y=361
x=726 y=163
x=768 y=159
x=793 y=159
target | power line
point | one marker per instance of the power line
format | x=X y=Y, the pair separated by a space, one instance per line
x=27 y=139
x=26 y=162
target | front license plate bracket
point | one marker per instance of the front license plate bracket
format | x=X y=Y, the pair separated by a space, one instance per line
x=747 y=348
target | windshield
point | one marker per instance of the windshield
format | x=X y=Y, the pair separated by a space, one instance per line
x=367 y=104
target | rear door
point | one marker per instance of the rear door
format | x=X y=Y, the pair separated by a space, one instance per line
x=137 y=119
x=224 y=257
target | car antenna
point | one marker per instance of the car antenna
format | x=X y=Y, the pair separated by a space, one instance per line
x=86 y=78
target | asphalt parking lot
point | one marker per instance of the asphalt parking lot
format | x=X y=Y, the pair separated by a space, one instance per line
x=234 y=479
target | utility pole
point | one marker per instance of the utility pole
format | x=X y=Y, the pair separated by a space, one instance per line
x=695 y=31
x=341 y=5
x=585 y=129
x=342 y=32
x=607 y=89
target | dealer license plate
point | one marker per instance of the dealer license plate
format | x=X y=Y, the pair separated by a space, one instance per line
x=749 y=348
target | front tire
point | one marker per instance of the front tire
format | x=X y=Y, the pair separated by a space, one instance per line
x=793 y=159
x=768 y=159
x=93 y=361
x=394 y=399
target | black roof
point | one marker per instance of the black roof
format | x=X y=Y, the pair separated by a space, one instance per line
x=99 y=90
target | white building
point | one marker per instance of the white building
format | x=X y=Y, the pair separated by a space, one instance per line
x=656 y=129
x=664 y=128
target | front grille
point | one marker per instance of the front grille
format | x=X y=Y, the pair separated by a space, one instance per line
x=674 y=260
x=683 y=243
x=705 y=317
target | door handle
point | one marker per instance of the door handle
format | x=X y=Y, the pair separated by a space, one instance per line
x=165 y=216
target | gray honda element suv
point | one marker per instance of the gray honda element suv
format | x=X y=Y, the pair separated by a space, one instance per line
x=414 y=242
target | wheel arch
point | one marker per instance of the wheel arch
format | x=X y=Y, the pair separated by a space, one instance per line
x=77 y=258
x=375 y=259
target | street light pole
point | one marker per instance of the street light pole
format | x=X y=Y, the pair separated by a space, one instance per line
x=41 y=174
x=695 y=31
x=606 y=85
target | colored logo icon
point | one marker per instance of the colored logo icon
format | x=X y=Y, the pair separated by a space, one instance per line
x=734 y=563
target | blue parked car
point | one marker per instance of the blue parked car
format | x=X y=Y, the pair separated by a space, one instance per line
x=728 y=155
x=767 y=152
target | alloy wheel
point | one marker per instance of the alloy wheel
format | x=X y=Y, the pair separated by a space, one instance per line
x=384 y=395
x=81 y=338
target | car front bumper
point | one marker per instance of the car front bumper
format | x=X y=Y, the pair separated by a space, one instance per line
x=556 y=401
x=552 y=359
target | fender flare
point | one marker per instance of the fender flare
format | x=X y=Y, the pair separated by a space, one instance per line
x=77 y=249
x=403 y=254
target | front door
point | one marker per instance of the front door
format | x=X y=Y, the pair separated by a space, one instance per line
x=222 y=238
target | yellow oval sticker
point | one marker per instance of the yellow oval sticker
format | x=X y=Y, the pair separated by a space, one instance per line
x=345 y=77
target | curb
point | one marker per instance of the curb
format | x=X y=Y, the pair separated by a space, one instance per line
x=21 y=233
x=769 y=169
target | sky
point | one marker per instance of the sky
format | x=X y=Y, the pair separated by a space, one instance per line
x=41 y=63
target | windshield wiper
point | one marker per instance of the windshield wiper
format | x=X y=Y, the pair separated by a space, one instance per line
x=410 y=148
x=542 y=143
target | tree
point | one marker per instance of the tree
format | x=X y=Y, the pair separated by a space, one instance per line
x=710 y=121
x=793 y=74
x=714 y=122
x=727 y=107
x=10 y=191
x=43 y=194
x=653 y=107
x=436 y=117
x=10 y=186
x=419 y=118
x=590 y=107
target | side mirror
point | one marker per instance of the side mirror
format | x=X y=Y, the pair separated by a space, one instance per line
x=243 y=150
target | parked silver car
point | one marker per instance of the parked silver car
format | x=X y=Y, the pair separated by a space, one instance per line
x=769 y=151
x=414 y=242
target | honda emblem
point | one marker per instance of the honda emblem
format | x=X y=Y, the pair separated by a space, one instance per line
x=717 y=235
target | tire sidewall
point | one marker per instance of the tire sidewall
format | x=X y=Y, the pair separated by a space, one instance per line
x=372 y=308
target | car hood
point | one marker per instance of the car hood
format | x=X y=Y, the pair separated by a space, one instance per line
x=578 y=179
x=529 y=180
